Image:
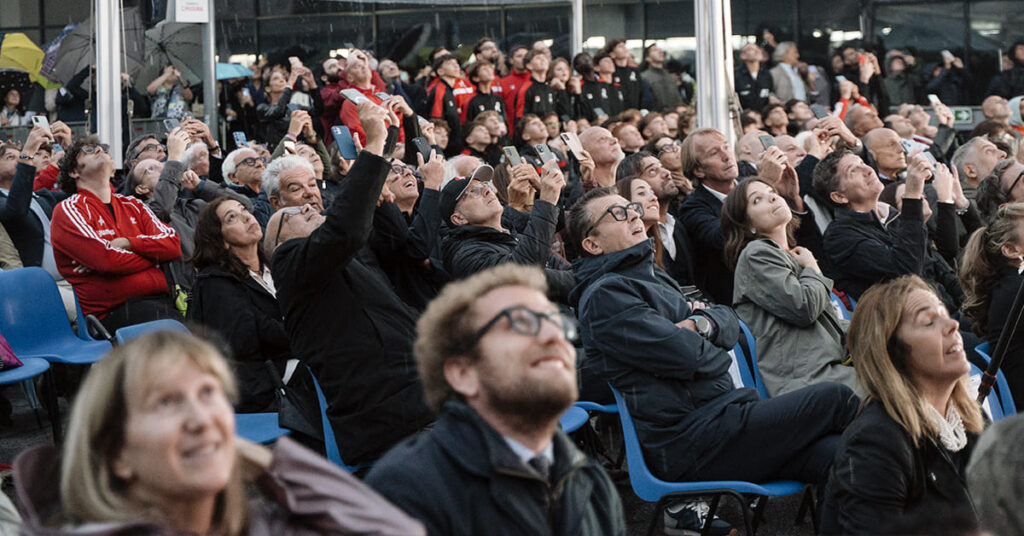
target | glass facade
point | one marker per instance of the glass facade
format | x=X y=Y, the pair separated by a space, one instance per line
x=976 y=31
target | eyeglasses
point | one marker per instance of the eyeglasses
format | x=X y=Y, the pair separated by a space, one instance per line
x=286 y=213
x=478 y=191
x=401 y=170
x=251 y=161
x=92 y=148
x=668 y=147
x=153 y=147
x=1015 y=181
x=619 y=213
x=527 y=322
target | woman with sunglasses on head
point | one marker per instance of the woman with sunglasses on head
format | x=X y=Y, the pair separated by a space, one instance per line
x=781 y=294
x=151 y=451
x=234 y=295
x=900 y=464
x=990 y=278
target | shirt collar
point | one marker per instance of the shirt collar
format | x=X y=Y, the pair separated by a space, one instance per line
x=526 y=454
x=718 y=195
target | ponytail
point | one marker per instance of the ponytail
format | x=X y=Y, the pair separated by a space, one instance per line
x=983 y=260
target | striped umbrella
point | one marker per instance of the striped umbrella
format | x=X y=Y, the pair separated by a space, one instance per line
x=18 y=52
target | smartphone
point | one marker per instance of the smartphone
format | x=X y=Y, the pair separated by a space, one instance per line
x=171 y=124
x=42 y=121
x=812 y=69
x=545 y=154
x=930 y=158
x=423 y=146
x=245 y=92
x=907 y=145
x=819 y=111
x=289 y=146
x=423 y=120
x=598 y=112
x=934 y=99
x=572 y=141
x=240 y=140
x=862 y=59
x=840 y=78
x=343 y=138
x=382 y=95
x=354 y=96
x=947 y=55
x=512 y=155
x=766 y=141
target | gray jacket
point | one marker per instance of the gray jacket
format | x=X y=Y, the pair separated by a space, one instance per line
x=789 y=311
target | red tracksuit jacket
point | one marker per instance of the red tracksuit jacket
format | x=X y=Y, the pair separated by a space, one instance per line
x=104 y=277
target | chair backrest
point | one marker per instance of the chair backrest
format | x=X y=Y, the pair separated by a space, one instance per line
x=31 y=310
x=127 y=333
x=840 y=307
x=749 y=350
x=330 y=442
x=994 y=411
x=1002 y=388
x=646 y=486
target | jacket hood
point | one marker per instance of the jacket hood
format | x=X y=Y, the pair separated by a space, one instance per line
x=1015 y=118
x=589 y=269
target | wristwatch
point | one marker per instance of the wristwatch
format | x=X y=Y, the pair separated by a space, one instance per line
x=704 y=326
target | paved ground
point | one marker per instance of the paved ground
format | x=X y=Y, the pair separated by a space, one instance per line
x=778 y=519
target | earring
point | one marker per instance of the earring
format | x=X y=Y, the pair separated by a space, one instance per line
x=753 y=231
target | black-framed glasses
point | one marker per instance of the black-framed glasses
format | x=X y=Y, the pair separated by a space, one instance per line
x=92 y=148
x=152 y=147
x=619 y=212
x=525 y=321
x=286 y=213
x=401 y=169
x=251 y=161
x=1014 y=185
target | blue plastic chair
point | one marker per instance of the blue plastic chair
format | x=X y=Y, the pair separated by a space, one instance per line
x=127 y=333
x=259 y=428
x=330 y=442
x=652 y=489
x=840 y=307
x=749 y=374
x=574 y=418
x=30 y=368
x=1002 y=388
x=594 y=406
x=33 y=320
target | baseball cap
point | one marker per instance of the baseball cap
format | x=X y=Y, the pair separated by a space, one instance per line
x=452 y=191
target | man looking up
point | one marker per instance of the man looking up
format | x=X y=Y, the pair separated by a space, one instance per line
x=753 y=83
x=663 y=83
x=606 y=153
x=517 y=76
x=535 y=95
x=626 y=74
x=499 y=368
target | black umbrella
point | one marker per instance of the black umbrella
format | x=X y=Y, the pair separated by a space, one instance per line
x=19 y=80
x=173 y=43
x=77 y=48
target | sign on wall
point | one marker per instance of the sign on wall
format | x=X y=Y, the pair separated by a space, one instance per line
x=188 y=10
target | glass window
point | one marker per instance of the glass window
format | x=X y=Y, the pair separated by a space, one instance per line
x=526 y=25
x=61 y=12
x=311 y=30
x=407 y=35
x=20 y=13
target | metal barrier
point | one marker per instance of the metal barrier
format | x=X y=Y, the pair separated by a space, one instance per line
x=20 y=134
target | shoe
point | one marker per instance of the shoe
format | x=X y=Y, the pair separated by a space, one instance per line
x=686 y=518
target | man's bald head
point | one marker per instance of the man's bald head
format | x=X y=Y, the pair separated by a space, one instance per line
x=862 y=119
x=749 y=147
x=602 y=146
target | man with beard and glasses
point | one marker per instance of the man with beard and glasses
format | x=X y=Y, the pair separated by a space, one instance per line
x=497 y=364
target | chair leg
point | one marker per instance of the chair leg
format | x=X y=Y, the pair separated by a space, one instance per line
x=52 y=408
x=759 y=511
x=711 y=514
x=808 y=506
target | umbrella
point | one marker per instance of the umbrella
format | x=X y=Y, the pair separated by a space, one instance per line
x=51 y=50
x=227 y=71
x=18 y=52
x=177 y=44
x=77 y=48
x=19 y=80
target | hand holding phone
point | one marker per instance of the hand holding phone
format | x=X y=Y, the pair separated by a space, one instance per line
x=512 y=155
x=572 y=141
x=346 y=145
x=766 y=141
x=170 y=124
x=354 y=96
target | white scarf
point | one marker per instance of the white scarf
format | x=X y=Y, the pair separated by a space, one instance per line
x=951 y=428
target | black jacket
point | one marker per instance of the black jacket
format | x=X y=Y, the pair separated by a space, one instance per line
x=1003 y=295
x=879 y=477
x=863 y=251
x=349 y=326
x=676 y=382
x=628 y=78
x=469 y=249
x=753 y=93
x=403 y=246
x=462 y=479
x=482 y=102
x=249 y=318
x=701 y=214
x=20 y=220
x=534 y=98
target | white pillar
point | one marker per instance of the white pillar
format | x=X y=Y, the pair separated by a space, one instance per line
x=713 y=20
x=108 y=77
x=576 y=37
x=210 y=74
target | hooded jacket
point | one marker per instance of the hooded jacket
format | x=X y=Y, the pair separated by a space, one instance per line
x=676 y=382
x=462 y=479
x=299 y=494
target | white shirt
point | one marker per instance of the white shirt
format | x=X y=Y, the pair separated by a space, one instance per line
x=718 y=195
x=526 y=454
x=799 y=89
x=265 y=280
x=666 y=230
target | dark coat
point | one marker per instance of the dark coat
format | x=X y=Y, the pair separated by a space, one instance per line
x=17 y=217
x=461 y=479
x=754 y=93
x=628 y=78
x=879 y=477
x=701 y=214
x=349 y=326
x=249 y=318
x=1003 y=295
x=469 y=249
x=676 y=383
x=594 y=95
x=403 y=246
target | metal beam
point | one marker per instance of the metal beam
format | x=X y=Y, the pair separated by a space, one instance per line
x=210 y=100
x=576 y=41
x=713 y=24
x=107 y=18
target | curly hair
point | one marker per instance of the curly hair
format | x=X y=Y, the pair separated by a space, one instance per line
x=68 y=164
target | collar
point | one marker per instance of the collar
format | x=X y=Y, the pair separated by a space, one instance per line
x=718 y=195
x=669 y=224
x=525 y=454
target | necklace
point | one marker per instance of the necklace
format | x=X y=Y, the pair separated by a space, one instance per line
x=951 y=428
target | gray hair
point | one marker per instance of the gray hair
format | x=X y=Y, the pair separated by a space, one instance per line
x=781 y=49
x=189 y=158
x=229 y=165
x=272 y=175
x=965 y=154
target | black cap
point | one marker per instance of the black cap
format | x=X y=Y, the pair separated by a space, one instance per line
x=452 y=191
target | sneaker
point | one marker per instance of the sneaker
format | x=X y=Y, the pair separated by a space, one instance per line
x=686 y=518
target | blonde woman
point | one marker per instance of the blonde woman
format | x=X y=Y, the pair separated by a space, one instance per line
x=900 y=465
x=151 y=450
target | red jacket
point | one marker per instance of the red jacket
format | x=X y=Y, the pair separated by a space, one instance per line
x=350 y=116
x=104 y=277
x=509 y=89
x=46 y=179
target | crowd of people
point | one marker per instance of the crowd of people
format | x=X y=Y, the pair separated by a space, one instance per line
x=512 y=236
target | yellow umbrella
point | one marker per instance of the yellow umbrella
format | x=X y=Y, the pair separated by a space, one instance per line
x=17 y=51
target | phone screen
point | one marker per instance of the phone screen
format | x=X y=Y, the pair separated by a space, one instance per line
x=240 y=140
x=171 y=124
